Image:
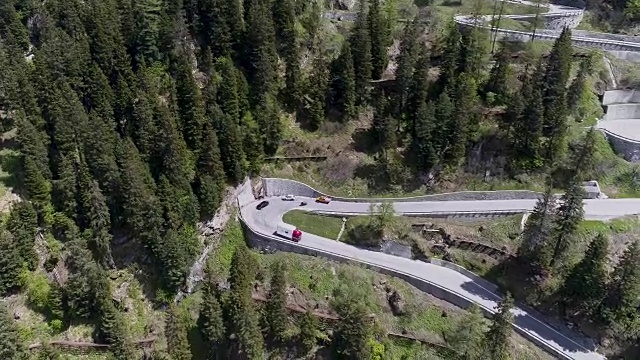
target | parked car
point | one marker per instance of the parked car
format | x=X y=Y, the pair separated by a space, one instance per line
x=262 y=205
x=303 y=203
x=323 y=199
x=288 y=198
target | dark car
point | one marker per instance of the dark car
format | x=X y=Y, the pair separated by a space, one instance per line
x=262 y=205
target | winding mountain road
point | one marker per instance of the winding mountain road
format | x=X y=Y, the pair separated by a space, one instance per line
x=557 y=339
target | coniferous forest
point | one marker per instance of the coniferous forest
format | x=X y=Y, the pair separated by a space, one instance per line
x=130 y=118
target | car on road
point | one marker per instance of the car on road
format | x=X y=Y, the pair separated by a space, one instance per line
x=288 y=198
x=262 y=205
x=323 y=199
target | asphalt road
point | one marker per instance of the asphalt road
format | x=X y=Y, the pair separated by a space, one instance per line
x=572 y=345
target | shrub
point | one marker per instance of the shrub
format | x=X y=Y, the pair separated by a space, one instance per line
x=37 y=289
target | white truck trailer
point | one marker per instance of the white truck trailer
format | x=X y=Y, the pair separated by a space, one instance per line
x=288 y=231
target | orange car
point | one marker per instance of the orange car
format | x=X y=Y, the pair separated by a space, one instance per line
x=323 y=199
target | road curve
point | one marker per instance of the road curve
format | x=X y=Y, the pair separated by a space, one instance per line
x=618 y=44
x=556 y=339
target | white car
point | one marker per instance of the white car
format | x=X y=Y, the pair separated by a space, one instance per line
x=289 y=198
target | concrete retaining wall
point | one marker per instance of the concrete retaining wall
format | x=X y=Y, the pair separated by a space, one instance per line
x=628 y=148
x=280 y=187
x=621 y=97
x=622 y=111
x=272 y=243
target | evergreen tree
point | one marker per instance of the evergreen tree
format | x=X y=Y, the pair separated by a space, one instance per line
x=241 y=320
x=94 y=216
x=275 y=309
x=176 y=333
x=227 y=93
x=496 y=340
x=360 y=42
x=423 y=140
x=582 y=156
x=497 y=83
x=10 y=345
x=527 y=129
x=344 y=83
x=231 y=151
x=586 y=285
x=55 y=303
x=308 y=331
x=210 y=320
x=267 y=115
x=473 y=53
x=621 y=303
x=465 y=119
x=99 y=150
x=112 y=326
x=419 y=91
x=555 y=94
x=285 y=20
x=33 y=144
x=467 y=333
x=210 y=173
x=190 y=106
x=451 y=55
x=36 y=185
x=351 y=338
x=407 y=58
x=384 y=126
x=214 y=28
x=262 y=57
x=443 y=114
x=379 y=34
x=578 y=86
x=64 y=187
x=252 y=143
x=570 y=213
x=11 y=264
x=23 y=225
x=317 y=93
x=537 y=232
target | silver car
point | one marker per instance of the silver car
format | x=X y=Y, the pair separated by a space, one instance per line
x=288 y=198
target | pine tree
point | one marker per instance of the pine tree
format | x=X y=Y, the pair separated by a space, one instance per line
x=578 y=86
x=10 y=345
x=11 y=264
x=423 y=140
x=537 y=232
x=33 y=144
x=582 y=156
x=555 y=95
x=210 y=320
x=308 y=332
x=586 y=285
x=99 y=150
x=528 y=127
x=231 y=151
x=344 y=83
x=496 y=340
x=214 y=28
x=465 y=119
x=253 y=142
x=55 y=300
x=384 y=126
x=351 y=338
x=379 y=34
x=176 y=333
x=275 y=309
x=443 y=114
x=23 y=225
x=466 y=334
x=267 y=115
x=112 y=325
x=570 y=213
x=190 y=106
x=497 y=83
x=210 y=173
x=262 y=56
x=94 y=216
x=242 y=321
x=473 y=53
x=36 y=185
x=620 y=306
x=451 y=55
x=407 y=58
x=419 y=91
x=64 y=187
x=317 y=93
x=360 y=41
x=284 y=21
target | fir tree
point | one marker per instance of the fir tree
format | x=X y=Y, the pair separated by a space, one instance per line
x=496 y=340
x=423 y=139
x=99 y=150
x=317 y=93
x=10 y=345
x=578 y=86
x=267 y=116
x=528 y=127
x=210 y=320
x=351 y=338
x=384 y=126
x=344 y=83
x=64 y=187
x=285 y=20
x=214 y=28
x=497 y=83
x=451 y=54
x=570 y=213
x=231 y=151
x=473 y=53
x=176 y=333
x=11 y=264
x=465 y=119
x=466 y=334
x=379 y=35
x=262 y=55
x=242 y=321
x=620 y=305
x=36 y=185
x=189 y=100
x=407 y=58
x=360 y=41
x=308 y=331
x=582 y=156
x=443 y=113
x=112 y=326
x=586 y=285
x=252 y=142
x=210 y=173
x=537 y=231
x=55 y=303
x=419 y=91
x=23 y=225
x=275 y=309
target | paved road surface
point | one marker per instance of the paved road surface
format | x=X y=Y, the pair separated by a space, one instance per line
x=573 y=346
